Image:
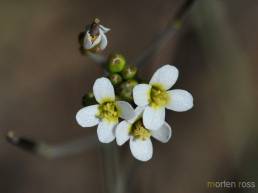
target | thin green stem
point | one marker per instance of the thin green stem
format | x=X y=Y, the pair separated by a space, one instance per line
x=97 y=58
x=174 y=24
x=52 y=151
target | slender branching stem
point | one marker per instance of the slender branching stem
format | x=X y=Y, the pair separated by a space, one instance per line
x=174 y=24
x=97 y=58
x=52 y=151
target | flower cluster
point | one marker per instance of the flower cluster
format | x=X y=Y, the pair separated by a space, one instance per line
x=111 y=103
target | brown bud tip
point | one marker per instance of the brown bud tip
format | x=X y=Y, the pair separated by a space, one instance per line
x=94 y=27
x=96 y=20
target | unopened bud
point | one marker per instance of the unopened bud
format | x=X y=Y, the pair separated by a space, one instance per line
x=129 y=84
x=88 y=99
x=115 y=79
x=126 y=89
x=116 y=63
x=94 y=38
x=129 y=72
x=126 y=95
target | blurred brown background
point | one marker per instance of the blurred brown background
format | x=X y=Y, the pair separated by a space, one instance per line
x=43 y=77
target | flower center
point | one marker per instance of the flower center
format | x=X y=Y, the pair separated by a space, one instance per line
x=93 y=37
x=158 y=96
x=138 y=131
x=108 y=111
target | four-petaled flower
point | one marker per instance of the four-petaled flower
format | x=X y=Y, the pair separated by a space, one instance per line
x=106 y=113
x=139 y=135
x=95 y=38
x=155 y=97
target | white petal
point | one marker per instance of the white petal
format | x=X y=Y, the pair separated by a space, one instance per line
x=122 y=132
x=96 y=41
x=87 y=41
x=180 y=100
x=141 y=94
x=86 y=117
x=106 y=132
x=104 y=29
x=153 y=118
x=166 y=76
x=163 y=134
x=126 y=110
x=103 y=42
x=103 y=90
x=138 y=113
x=141 y=149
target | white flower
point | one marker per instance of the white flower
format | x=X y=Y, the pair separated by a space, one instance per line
x=155 y=97
x=106 y=113
x=95 y=37
x=139 y=135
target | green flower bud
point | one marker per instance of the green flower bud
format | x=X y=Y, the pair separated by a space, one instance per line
x=126 y=95
x=126 y=89
x=116 y=63
x=115 y=79
x=129 y=72
x=129 y=84
x=88 y=99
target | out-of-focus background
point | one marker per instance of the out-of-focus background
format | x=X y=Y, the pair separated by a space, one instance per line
x=43 y=77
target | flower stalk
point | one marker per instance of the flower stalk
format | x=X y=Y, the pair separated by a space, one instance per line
x=48 y=151
x=174 y=24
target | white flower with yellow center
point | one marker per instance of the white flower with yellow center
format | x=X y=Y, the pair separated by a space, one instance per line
x=95 y=37
x=156 y=97
x=106 y=113
x=140 y=136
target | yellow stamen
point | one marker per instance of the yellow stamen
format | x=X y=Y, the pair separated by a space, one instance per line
x=138 y=131
x=158 y=96
x=93 y=37
x=108 y=111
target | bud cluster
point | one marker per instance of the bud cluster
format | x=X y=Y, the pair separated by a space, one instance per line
x=122 y=76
